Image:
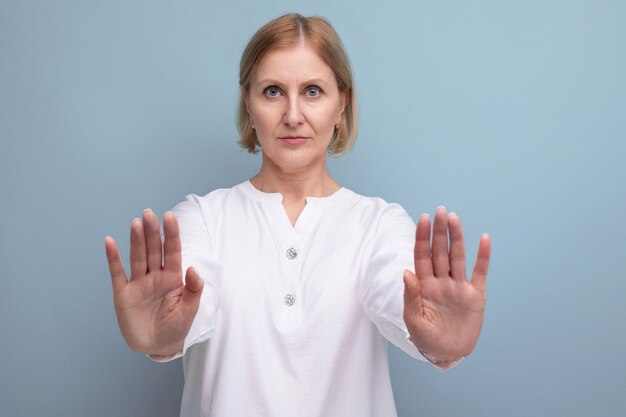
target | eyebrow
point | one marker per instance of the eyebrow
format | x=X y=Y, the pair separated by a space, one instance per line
x=270 y=81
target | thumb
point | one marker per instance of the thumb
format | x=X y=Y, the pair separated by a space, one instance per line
x=193 y=290
x=193 y=282
x=412 y=291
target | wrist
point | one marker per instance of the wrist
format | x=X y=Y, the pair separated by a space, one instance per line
x=439 y=361
x=436 y=360
x=166 y=351
x=443 y=363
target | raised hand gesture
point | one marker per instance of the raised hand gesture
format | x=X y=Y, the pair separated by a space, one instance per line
x=155 y=309
x=444 y=311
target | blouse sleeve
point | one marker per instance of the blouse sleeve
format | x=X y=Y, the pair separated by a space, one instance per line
x=383 y=289
x=197 y=251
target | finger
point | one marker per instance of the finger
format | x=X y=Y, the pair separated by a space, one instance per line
x=421 y=253
x=171 y=245
x=153 y=240
x=138 y=260
x=190 y=298
x=440 y=255
x=457 y=248
x=412 y=292
x=479 y=275
x=116 y=268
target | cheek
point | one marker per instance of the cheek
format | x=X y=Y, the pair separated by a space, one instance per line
x=263 y=116
x=327 y=118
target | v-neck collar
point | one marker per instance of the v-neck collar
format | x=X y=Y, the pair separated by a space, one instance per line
x=308 y=218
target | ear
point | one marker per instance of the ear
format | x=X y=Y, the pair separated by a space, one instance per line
x=345 y=98
x=244 y=96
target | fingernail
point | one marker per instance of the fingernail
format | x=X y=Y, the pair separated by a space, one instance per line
x=147 y=210
x=423 y=215
x=136 y=220
x=441 y=208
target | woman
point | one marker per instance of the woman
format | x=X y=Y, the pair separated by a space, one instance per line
x=293 y=282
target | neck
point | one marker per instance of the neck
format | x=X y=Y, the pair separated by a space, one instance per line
x=295 y=185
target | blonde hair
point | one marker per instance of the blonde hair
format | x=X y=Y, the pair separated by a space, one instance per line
x=289 y=30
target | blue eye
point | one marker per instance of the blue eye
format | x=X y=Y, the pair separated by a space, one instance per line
x=271 y=91
x=313 y=91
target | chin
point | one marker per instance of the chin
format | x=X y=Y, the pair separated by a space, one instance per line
x=292 y=160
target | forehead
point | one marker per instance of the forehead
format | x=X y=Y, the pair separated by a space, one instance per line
x=296 y=63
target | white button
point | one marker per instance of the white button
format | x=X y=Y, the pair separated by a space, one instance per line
x=290 y=299
x=292 y=253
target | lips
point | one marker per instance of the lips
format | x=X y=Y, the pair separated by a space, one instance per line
x=293 y=140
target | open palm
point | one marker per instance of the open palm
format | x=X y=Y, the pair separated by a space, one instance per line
x=155 y=309
x=444 y=311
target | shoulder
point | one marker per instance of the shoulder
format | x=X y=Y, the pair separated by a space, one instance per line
x=388 y=224
x=198 y=203
x=375 y=210
x=218 y=197
x=208 y=208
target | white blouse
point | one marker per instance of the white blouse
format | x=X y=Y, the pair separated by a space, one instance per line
x=293 y=319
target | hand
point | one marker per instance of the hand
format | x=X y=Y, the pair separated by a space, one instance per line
x=442 y=310
x=154 y=309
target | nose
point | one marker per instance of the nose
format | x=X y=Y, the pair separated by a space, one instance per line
x=293 y=114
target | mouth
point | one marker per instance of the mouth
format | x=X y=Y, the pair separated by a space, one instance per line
x=294 y=140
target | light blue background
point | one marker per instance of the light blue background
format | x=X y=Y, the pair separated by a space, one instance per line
x=511 y=113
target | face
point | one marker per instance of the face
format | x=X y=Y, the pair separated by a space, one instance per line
x=294 y=104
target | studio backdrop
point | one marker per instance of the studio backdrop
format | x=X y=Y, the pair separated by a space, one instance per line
x=512 y=114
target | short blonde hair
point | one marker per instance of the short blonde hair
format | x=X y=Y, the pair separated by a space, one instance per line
x=289 y=30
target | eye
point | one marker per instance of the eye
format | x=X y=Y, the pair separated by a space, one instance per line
x=272 y=91
x=313 y=91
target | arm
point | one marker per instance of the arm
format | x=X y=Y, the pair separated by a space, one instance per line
x=197 y=250
x=158 y=313
x=382 y=288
